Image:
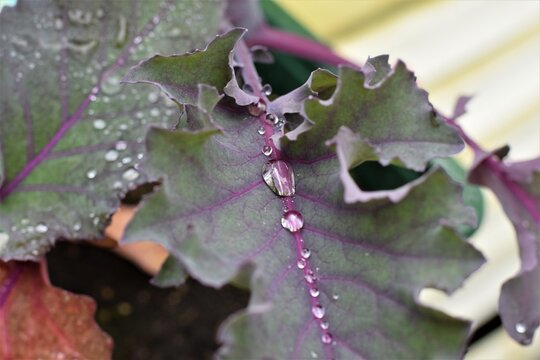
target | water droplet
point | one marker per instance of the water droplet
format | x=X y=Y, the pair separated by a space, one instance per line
x=111 y=155
x=153 y=97
x=4 y=238
x=325 y=325
x=93 y=98
x=126 y=160
x=117 y=185
x=77 y=226
x=267 y=150
x=314 y=355
x=140 y=156
x=91 y=174
x=58 y=24
x=130 y=174
x=279 y=177
x=256 y=109
x=335 y=296
x=267 y=89
x=521 y=328
x=306 y=253
x=111 y=85
x=271 y=118
x=292 y=221
x=261 y=131
x=326 y=338
x=310 y=279
x=314 y=292
x=301 y=263
x=318 y=311
x=137 y=40
x=121 y=145
x=41 y=228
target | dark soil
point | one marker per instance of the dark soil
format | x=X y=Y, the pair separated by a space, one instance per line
x=145 y=322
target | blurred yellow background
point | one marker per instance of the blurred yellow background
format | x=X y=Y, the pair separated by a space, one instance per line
x=489 y=49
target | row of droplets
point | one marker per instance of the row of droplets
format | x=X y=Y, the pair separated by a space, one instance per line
x=279 y=176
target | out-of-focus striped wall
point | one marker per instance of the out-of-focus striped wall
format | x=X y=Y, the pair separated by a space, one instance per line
x=488 y=48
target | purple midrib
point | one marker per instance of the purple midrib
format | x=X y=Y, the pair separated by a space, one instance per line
x=11 y=185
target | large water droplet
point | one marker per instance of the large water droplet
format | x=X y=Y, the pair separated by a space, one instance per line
x=91 y=174
x=130 y=174
x=301 y=263
x=99 y=124
x=279 y=177
x=521 y=328
x=314 y=292
x=292 y=221
x=256 y=109
x=267 y=89
x=111 y=155
x=326 y=338
x=267 y=150
x=41 y=228
x=318 y=311
x=306 y=253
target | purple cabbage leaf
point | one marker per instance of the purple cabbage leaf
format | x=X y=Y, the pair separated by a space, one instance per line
x=329 y=278
x=71 y=135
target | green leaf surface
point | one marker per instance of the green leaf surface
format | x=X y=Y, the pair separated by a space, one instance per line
x=71 y=135
x=345 y=286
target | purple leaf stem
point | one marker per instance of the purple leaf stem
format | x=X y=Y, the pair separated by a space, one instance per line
x=252 y=78
x=495 y=168
x=293 y=44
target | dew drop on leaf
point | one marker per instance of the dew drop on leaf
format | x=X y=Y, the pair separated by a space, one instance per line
x=335 y=296
x=126 y=160
x=256 y=109
x=267 y=89
x=279 y=177
x=306 y=253
x=314 y=292
x=77 y=226
x=261 y=131
x=325 y=325
x=91 y=174
x=130 y=174
x=267 y=150
x=301 y=263
x=271 y=118
x=99 y=124
x=4 y=238
x=111 y=155
x=318 y=311
x=292 y=221
x=41 y=228
x=326 y=338
x=121 y=145
x=247 y=88
x=521 y=328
